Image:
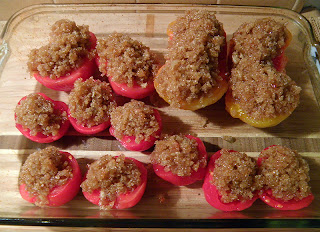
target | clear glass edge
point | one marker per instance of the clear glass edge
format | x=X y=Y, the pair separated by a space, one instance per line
x=314 y=52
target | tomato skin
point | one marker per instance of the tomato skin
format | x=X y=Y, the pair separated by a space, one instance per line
x=41 y=138
x=65 y=83
x=134 y=92
x=62 y=194
x=129 y=141
x=125 y=200
x=184 y=180
x=211 y=193
x=277 y=203
x=292 y=204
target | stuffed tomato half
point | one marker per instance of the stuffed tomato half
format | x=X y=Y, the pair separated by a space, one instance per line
x=285 y=178
x=49 y=177
x=41 y=119
x=68 y=56
x=115 y=182
x=129 y=65
x=230 y=183
x=194 y=74
x=180 y=159
x=90 y=104
x=136 y=125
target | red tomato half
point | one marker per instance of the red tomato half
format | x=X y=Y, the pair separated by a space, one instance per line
x=65 y=83
x=134 y=92
x=184 y=180
x=212 y=195
x=61 y=194
x=125 y=200
x=87 y=130
x=129 y=141
x=41 y=138
x=277 y=203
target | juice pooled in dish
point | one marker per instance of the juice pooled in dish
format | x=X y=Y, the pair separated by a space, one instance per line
x=41 y=119
x=90 y=105
x=285 y=178
x=115 y=182
x=69 y=55
x=180 y=159
x=260 y=93
x=194 y=75
x=49 y=177
x=231 y=182
x=129 y=65
x=136 y=125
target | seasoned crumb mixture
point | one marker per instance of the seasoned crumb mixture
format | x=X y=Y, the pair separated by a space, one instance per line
x=69 y=45
x=285 y=172
x=261 y=40
x=38 y=114
x=134 y=118
x=112 y=176
x=91 y=102
x=178 y=154
x=262 y=91
x=234 y=175
x=191 y=68
x=44 y=170
x=126 y=60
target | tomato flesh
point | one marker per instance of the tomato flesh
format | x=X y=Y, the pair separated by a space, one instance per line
x=129 y=141
x=40 y=137
x=125 y=200
x=65 y=83
x=59 y=195
x=184 y=180
x=212 y=195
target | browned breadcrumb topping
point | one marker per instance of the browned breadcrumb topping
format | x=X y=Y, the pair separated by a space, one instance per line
x=234 y=176
x=191 y=68
x=285 y=172
x=261 y=40
x=126 y=60
x=134 y=118
x=68 y=46
x=262 y=91
x=91 y=102
x=112 y=176
x=178 y=154
x=44 y=170
x=38 y=114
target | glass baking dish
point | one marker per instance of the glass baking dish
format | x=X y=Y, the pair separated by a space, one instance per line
x=163 y=204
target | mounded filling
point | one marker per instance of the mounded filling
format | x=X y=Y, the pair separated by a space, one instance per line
x=235 y=176
x=191 y=68
x=68 y=46
x=38 y=114
x=44 y=170
x=262 y=91
x=134 y=118
x=178 y=154
x=285 y=172
x=91 y=102
x=112 y=176
x=126 y=60
x=261 y=40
